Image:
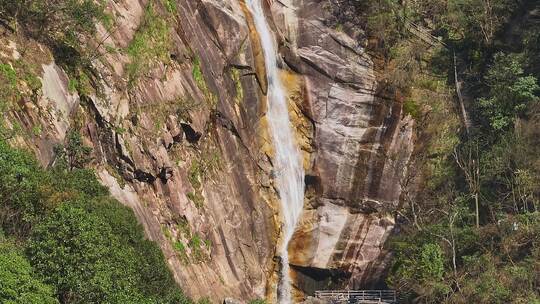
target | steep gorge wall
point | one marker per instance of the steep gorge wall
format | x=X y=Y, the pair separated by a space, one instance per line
x=186 y=146
x=361 y=145
x=180 y=146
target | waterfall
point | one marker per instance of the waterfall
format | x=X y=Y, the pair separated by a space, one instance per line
x=289 y=171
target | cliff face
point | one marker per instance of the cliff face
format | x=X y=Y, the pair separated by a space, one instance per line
x=186 y=145
x=361 y=148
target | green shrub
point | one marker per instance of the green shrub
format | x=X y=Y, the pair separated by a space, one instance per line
x=18 y=282
x=78 y=253
x=85 y=244
x=196 y=197
x=74 y=154
x=410 y=107
x=510 y=91
x=150 y=44
x=431 y=262
x=25 y=191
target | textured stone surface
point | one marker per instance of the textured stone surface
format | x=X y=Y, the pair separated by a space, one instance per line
x=156 y=142
x=190 y=175
x=361 y=147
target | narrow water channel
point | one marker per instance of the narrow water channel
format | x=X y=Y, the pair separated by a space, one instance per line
x=289 y=171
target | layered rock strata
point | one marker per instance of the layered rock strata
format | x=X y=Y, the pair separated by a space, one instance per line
x=361 y=145
x=186 y=146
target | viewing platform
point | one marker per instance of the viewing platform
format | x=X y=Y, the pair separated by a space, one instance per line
x=358 y=296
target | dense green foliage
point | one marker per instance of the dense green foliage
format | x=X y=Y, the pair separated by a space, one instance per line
x=469 y=234
x=61 y=25
x=509 y=91
x=83 y=244
x=18 y=282
x=25 y=191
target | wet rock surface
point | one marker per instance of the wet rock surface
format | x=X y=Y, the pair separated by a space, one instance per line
x=361 y=148
x=191 y=156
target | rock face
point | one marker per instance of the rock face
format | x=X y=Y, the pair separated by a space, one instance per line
x=361 y=148
x=186 y=146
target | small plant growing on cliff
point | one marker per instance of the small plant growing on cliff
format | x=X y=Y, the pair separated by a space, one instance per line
x=74 y=154
x=170 y=6
x=196 y=198
x=166 y=232
x=8 y=86
x=183 y=227
x=195 y=173
x=151 y=44
x=180 y=248
x=412 y=108
x=201 y=82
x=197 y=246
x=236 y=77
x=37 y=130
x=204 y=300
x=197 y=73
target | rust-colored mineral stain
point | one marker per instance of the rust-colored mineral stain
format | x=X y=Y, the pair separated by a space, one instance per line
x=258 y=54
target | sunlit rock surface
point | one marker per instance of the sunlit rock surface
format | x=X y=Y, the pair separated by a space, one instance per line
x=191 y=156
x=361 y=148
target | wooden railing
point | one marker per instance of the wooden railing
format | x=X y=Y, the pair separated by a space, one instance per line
x=357 y=296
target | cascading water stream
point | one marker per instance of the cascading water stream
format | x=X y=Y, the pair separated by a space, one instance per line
x=289 y=171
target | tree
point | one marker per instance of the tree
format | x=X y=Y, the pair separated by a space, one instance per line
x=419 y=271
x=155 y=279
x=467 y=158
x=18 y=282
x=94 y=251
x=510 y=91
x=477 y=20
x=77 y=252
x=82 y=242
x=24 y=190
x=74 y=154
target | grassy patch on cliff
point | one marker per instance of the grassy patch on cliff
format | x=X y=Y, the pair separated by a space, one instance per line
x=190 y=246
x=150 y=44
x=8 y=85
x=19 y=80
x=58 y=23
x=67 y=28
x=198 y=76
x=170 y=6
x=19 y=86
x=159 y=115
x=206 y=163
x=236 y=77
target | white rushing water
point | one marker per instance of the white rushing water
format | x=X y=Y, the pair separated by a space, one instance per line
x=289 y=171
